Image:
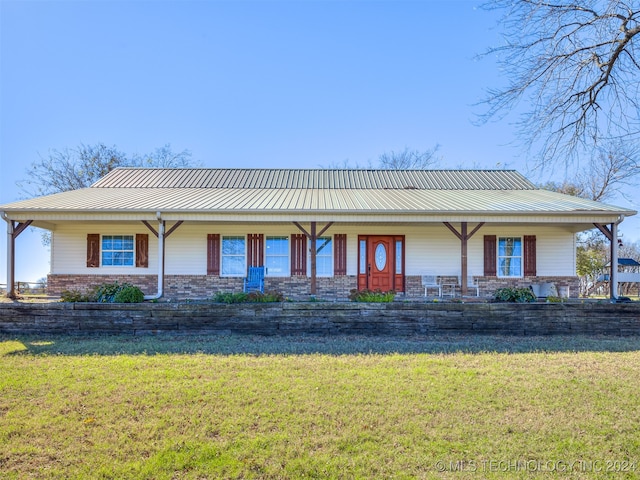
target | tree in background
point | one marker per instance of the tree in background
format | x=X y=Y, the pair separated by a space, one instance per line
x=404 y=160
x=410 y=159
x=80 y=167
x=576 y=64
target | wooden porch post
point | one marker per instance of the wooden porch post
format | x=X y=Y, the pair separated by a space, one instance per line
x=464 y=237
x=612 y=235
x=312 y=237
x=13 y=230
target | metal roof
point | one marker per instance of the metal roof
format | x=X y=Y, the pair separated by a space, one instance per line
x=272 y=192
x=315 y=179
x=313 y=200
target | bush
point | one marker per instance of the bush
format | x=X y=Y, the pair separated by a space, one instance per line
x=253 y=297
x=129 y=294
x=118 y=293
x=225 y=297
x=372 y=296
x=514 y=295
x=74 y=296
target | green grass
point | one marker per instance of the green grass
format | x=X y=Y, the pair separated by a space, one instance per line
x=315 y=407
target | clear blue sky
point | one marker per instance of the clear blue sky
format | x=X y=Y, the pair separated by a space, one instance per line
x=246 y=84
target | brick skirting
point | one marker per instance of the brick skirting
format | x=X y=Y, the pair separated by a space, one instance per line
x=182 y=287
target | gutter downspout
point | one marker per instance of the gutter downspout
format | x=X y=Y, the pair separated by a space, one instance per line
x=10 y=256
x=160 y=260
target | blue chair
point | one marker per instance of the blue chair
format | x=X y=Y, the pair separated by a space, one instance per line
x=254 y=282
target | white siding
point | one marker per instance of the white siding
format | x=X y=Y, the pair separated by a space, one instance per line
x=429 y=247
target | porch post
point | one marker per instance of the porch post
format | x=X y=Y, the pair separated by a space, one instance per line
x=613 y=284
x=464 y=237
x=313 y=252
x=13 y=230
x=463 y=260
x=11 y=258
x=312 y=237
x=612 y=235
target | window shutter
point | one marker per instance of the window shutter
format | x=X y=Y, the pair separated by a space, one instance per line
x=93 y=250
x=298 y=254
x=142 y=250
x=490 y=261
x=213 y=254
x=340 y=254
x=529 y=255
x=255 y=250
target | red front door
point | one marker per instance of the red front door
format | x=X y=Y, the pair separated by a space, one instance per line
x=380 y=265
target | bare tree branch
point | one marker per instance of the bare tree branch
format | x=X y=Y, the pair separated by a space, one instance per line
x=577 y=65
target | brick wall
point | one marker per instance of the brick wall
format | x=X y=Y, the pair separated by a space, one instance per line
x=295 y=288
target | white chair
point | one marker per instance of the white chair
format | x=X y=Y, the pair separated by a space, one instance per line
x=431 y=281
x=472 y=283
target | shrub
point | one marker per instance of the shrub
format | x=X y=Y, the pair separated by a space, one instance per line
x=129 y=294
x=252 y=297
x=372 y=296
x=514 y=295
x=266 y=297
x=74 y=296
x=225 y=297
x=118 y=293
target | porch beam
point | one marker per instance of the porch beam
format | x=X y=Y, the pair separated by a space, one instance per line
x=464 y=237
x=153 y=230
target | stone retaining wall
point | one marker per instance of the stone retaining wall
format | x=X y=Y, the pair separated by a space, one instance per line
x=401 y=319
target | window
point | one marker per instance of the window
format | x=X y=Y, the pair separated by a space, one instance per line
x=117 y=251
x=277 y=256
x=233 y=256
x=509 y=257
x=362 y=261
x=324 y=258
x=399 y=257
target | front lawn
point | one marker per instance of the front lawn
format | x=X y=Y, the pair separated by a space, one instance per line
x=294 y=407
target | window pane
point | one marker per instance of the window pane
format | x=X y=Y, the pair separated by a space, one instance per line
x=324 y=257
x=277 y=256
x=233 y=265
x=277 y=266
x=117 y=250
x=398 y=257
x=233 y=256
x=363 y=257
x=233 y=245
x=510 y=257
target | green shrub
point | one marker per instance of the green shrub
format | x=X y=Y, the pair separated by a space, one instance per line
x=252 y=297
x=266 y=297
x=129 y=294
x=372 y=296
x=226 y=297
x=514 y=295
x=74 y=296
x=118 y=293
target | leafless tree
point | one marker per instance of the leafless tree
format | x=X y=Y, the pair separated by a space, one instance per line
x=603 y=176
x=74 y=168
x=410 y=159
x=576 y=64
x=80 y=167
x=404 y=160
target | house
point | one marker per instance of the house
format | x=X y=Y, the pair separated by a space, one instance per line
x=189 y=233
